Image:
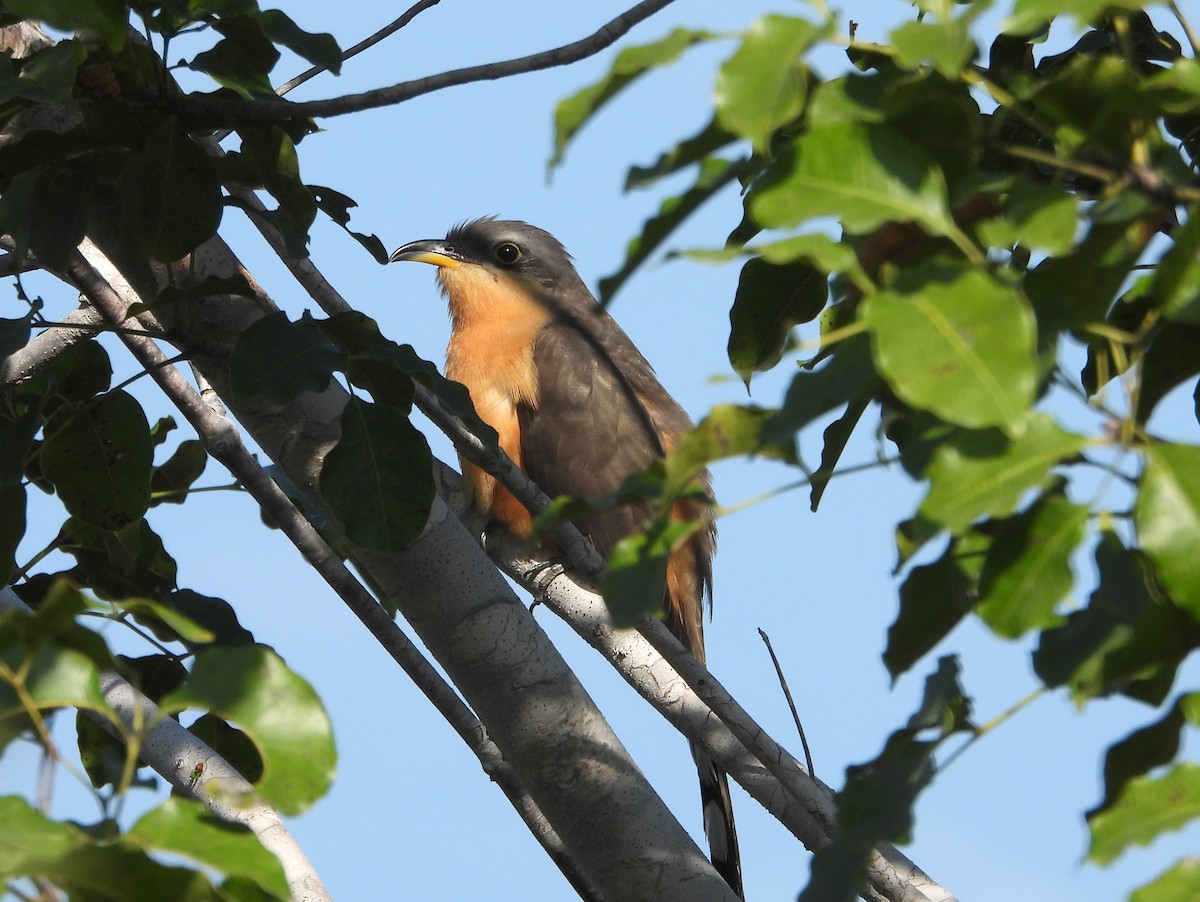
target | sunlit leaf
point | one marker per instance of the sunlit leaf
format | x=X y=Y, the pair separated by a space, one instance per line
x=185 y=828
x=1028 y=567
x=1146 y=808
x=252 y=687
x=764 y=84
x=957 y=343
x=1167 y=514
x=982 y=473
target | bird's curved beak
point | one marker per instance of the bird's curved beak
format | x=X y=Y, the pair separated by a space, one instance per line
x=429 y=250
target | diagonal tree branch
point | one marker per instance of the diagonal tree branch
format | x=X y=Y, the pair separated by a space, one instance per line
x=108 y=291
x=247 y=111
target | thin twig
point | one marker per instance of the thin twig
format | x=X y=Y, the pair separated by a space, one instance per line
x=387 y=31
x=249 y=111
x=787 y=693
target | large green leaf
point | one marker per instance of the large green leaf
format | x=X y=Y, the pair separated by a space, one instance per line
x=99 y=457
x=1148 y=807
x=765 y=83
x=957 y=343
x=252 y=687
x=1167 y=515
x=1028 y=566
x=185 y=828
x=983 y=473
x=170 y=196
x=1180 y=883
x=865 y=174
x=378 y=479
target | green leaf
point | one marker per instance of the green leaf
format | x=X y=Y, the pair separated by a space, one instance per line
x=98 y=456
x=714 y=175
x=1179 y=883
x=378 y=478
x=764 y=84
x=956 y=343
x=1176 y=283
x=1167 y=516
x=272 y=153
x=1128 y=639
x=1170 y=360
x=123 y=563
x=1036 y=217
x=770 y=299
x=1028 y=567
x=171 y=199
x=184 y=627
x=337 y=206
x=934 y=598
x=1028 y=15
x=980 y=473
x=946 y=44
x=846 y=375
x=1146 y=808
x=185 y=828
x=30 y=837
x=687 y=152
x=863 y=174
x=108 y=17
x=319 y=49
x=252 y=687
x=214 y=615
x=280 y=359
x=49 y=76
x=572 y=113
x=636 y=579
x=169 y=483
x=1150 y=747
x=242 y=59
x=728 y=430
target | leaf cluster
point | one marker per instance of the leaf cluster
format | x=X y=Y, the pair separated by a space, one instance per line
x=1001 y=210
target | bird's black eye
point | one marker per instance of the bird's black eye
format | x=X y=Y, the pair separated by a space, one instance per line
x=507 y=253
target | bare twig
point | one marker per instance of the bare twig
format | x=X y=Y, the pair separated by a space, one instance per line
x=787 y=693
x=387 y=31
x=246 y=111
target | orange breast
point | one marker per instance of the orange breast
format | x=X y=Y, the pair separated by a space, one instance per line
x=494 y=323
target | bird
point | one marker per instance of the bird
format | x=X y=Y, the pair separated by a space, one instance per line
x=579 y=409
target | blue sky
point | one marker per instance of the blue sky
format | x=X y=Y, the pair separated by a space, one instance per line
x=411 y=814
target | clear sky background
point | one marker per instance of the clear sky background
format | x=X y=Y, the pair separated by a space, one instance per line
x=411 y=815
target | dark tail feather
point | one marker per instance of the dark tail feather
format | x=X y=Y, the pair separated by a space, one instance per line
x=718 y=821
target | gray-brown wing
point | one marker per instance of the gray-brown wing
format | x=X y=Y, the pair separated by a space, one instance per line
x=589 y=430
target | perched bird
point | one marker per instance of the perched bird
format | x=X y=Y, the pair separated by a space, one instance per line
x=579 y=409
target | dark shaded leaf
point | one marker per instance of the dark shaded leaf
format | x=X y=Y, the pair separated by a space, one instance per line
x=169 y=483
x=98 y=457
x=279 y=359
x=378 y=478
x=171 y=199
x=770 y=299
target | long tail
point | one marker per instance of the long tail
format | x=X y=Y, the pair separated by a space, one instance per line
x=718 y=820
